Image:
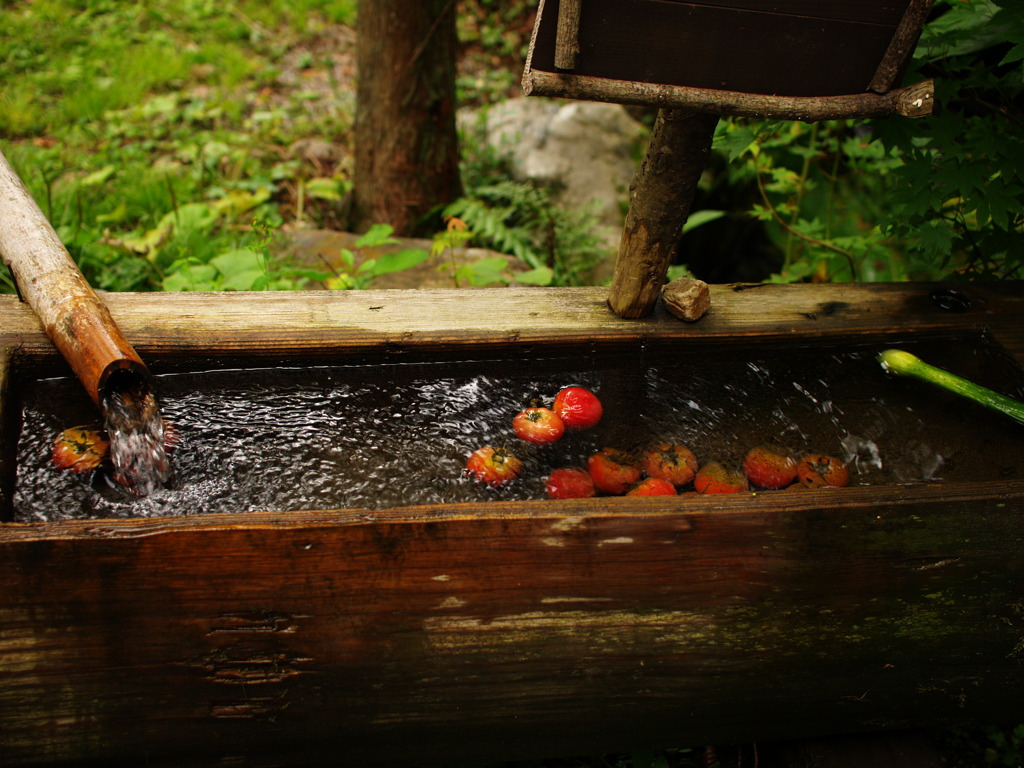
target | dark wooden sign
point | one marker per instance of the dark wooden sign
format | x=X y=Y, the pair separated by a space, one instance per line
x=654 y=51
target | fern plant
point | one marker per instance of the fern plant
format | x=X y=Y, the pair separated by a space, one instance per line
x=523 y=221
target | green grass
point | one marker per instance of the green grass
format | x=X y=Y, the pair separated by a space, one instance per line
x=116 y=114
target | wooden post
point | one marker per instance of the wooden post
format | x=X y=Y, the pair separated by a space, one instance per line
x=901 y=45
x=73 y=316
x=659 y=203
x=567 y=44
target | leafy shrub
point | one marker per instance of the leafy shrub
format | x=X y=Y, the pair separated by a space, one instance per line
x=896 y=199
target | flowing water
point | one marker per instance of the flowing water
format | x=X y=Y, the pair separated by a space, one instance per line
x=135 y=427
x=379 y=436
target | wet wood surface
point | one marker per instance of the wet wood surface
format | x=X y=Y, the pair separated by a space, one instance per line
x=489 y=631
x=346 y=323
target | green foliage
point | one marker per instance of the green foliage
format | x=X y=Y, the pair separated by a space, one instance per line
x=369 y=269
x=1006 y=746
x=957 y=197
x=151 y=134
x=897 y=199
x=484 y=271
x=490 y=31
x=522 y=220
x=241 y=269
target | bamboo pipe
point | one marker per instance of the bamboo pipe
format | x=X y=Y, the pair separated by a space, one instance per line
x=75 y=319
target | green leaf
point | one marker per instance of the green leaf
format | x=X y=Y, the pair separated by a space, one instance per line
x=119 y=214
x=239 y=201
x=96 y=178
x=701 y=217
x=537 y=276
x=398 y=261
x=241 y=270
x=192 y=277
x=378 y=234
x=486 y=271
x=237 y=261
x=323 y=188
x=735 y=141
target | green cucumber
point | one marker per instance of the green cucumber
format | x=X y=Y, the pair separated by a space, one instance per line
x=906 y=364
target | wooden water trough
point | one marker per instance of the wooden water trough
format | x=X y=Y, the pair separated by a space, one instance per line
x=491 y=630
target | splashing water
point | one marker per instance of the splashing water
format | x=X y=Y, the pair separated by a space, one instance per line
x=137 y=435
x=377 y=436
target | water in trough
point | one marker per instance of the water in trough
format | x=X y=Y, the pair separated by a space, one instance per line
x=384 y=435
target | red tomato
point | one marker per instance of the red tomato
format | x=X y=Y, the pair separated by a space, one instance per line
x=769 y=467
x=578 y=408
x=493 y=466
x=613 y=471
x=538 y=425
x=821 y=471
x=672 y=462
x=570 y=483
x=80 y=449
x=715 y=478
x=652 y=486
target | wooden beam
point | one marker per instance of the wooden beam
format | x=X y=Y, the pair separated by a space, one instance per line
x=48 y=279
x=659 y=203
x=913 y=101
x=325 y=325
x=362 y=638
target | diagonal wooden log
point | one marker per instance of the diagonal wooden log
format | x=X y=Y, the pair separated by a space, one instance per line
x=75 y=319
x=659 y=203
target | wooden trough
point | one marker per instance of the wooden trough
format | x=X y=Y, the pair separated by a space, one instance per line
x=495 y=630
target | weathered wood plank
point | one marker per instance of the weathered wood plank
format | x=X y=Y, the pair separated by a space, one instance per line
x=388 y=639
x=333 y=324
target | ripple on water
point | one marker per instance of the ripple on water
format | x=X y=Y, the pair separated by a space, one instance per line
x=383 y=436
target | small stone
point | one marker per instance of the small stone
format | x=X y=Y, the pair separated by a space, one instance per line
x=687 y=298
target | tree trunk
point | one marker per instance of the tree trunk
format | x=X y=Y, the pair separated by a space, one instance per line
x=406 y=160
x=659 y=204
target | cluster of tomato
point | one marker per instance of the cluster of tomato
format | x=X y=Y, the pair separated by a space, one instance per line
x=659 y=471
x=573 y=409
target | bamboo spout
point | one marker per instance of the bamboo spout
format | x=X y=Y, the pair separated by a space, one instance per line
x=75 y=319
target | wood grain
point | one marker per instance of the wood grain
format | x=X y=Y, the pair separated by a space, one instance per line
x=329 y=325
x=500 y=632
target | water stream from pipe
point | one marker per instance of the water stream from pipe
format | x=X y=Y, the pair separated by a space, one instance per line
x=137 y=434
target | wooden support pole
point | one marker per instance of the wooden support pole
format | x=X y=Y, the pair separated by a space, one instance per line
x=901 y=45
x=659 y=203
x=567 y=43
x=73 y=316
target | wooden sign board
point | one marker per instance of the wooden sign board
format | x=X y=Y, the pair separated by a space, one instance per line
x=770 y=48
